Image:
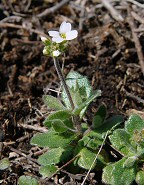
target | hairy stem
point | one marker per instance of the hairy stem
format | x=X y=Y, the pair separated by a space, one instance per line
x=61 y=77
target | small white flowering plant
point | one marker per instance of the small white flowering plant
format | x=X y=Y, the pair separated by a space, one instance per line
x=60 y=39
x=70 y=139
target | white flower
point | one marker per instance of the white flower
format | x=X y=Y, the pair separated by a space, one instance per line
x=65 y=33
x=56 y=53
x=43 y=39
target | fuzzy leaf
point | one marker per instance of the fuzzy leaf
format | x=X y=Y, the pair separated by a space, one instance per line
x=102 y=160
x=134 y=123
x=109 y=124
x=120 y=139
x=94 y=143
x=58 y=115
x=51 y=157
x=27 y=180
x=140 y=178
x=99 y=117
x=117 y=174
x=75 y=80
x=52 y=139
x=47 y=171
x=4 y=163
x=53 y=103
x=77 y=83
x=140 y=152
x=76 y=95
x=84 y=105
x=67 y=154
x=95 y=139
x=130 y=161
x=59 y=126
x=86 y=158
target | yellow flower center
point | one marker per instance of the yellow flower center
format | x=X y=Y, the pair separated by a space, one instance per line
x=63 y=35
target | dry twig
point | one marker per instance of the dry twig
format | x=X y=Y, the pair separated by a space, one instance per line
x=13 y=17
x=24 y=155
x=136 y=40
x=114 y=13
x=139 y=30
x=136 y=3
x=33 y=127
x=52 y=9
x=134 y=97
x=10 y=25
x=137 y=17
x=21 y=139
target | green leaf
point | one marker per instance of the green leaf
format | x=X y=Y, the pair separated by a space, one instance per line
x=120 y=139
x=130 y=161
x=47 y=171
x=102 y=160
x=109 y=124
x=51 y=157
x=117 y=174
x=58 y=115
x=81 y=92
x=140 y=152
x=52 y=139
x=4 y=163
x=95 y=139
x=134 y=123
x=27 y=180
x=86 y=158
x=79 y=87
x=68 y=123
x=107 y=175
x=75 y=80
x=67 y=154
x=53 y=103
x=59 y=126
x=76 y=95
x=94 y=143
x=140 y=178
x=99 y=117
x=84 y=105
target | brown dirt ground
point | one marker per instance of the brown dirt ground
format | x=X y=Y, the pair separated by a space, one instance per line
x=104 y=51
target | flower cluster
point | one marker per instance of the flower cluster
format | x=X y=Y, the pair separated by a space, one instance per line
x=59 y=40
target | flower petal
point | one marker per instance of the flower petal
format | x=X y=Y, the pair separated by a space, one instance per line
x=68 y=27
x=71 y=35
x=53 y=33
x=65 y=27
x=57 y=39
x=62 y=27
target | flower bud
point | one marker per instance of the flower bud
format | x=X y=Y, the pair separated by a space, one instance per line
x=56 y=53
x=45 y=51
x=43 y=39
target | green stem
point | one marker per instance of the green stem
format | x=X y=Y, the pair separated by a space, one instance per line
x=61 y=77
